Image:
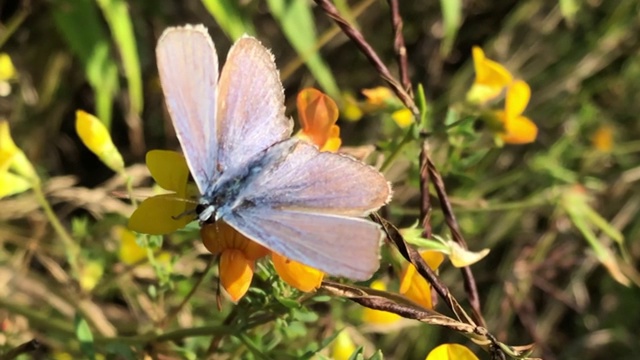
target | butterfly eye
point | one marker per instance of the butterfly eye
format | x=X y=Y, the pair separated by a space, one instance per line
x=205 y=213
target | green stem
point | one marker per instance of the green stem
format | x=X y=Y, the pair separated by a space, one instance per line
x=408 y=136
x=71 y=248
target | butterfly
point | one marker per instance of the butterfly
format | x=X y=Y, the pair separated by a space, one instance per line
x=277 y=190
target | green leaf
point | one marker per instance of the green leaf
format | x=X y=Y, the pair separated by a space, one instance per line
x=451 y=18
x=84 y=335
x=229 y=17
x=296 y=20
x=79 y=23
x=117 y=15
x=377 y=356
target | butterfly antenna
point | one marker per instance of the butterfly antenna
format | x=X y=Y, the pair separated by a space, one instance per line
x=193 y=212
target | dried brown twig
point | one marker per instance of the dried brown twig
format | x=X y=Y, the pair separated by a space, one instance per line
x=355 y=35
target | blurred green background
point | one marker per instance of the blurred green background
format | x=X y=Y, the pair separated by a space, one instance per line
x=546 y=210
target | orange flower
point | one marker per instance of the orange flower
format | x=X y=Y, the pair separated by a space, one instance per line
x=237 y=256
x=491 y=78
x=318 y=114
x=602 y=139
x=414 y=286
x=298 y=275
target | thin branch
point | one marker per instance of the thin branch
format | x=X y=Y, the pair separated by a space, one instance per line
x=356 y=36
x=469 y=281
x=425 y=181
x=399 y=47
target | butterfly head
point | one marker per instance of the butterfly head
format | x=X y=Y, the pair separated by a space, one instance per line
x=206 y=211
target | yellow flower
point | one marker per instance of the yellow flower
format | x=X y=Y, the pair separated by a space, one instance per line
x=403 y=118
x=96 y=137
x=318 y=114
x=491 y=79
x=13 y=159
x=238 y=255
x=602 y=139
x=7 y=70
x=378 y=97
x=129 y=251
x=350 y=108
x=517 y=129
x=165 y=213
x=343 y=346
x=379 y=317
x=414 y=286
x=451 y=352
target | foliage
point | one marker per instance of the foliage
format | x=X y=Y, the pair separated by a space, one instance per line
x=509 y=126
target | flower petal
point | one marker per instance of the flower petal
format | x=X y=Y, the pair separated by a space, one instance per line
x=343 y=346
x=318 y=113
x=489 y=72
x=414 y=286
x=520 y=130
x=602 y=139
x=518 y=95
x=350 y=108
x=96 y=137
x=298 y=275
x=220 y=236
x=7 y=147
x=169 y=169
x=334 y=142
x=403 y=118
x=160 y=214
x=12 y=157
x=11 y=184
x=379 y=317
x=7 y=70
x=461 y=257
x=236 y=272
x=378 y=97
x=491 y=78
x=451 y=352
x=129 y=251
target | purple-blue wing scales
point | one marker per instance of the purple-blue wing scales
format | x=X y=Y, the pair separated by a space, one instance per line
x=251 y=105
x=337 y=245
x=297 y=176
x=188 y=68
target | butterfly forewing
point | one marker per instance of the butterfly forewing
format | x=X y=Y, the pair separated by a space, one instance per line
x=337 y=245
x=251 y=104
x=188 y=68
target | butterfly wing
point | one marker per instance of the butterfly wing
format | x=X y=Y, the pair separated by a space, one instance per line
x=337 y=245
x=188 y=68
x=250 y=105
x=303 y=204
x=297 y=176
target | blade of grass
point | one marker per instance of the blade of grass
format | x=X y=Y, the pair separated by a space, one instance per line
x=119 y=21
x=296 y=20
x=229 y=17
x=79 y=23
